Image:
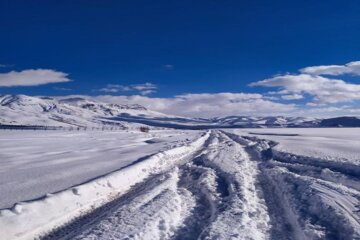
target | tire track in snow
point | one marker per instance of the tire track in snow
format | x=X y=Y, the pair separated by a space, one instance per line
x=153 y=214
x=307 y=199
x=152 y=207
x=244 y=215
x=213 y=196
x=228 y=185
x=165 y=163
x=321 y=209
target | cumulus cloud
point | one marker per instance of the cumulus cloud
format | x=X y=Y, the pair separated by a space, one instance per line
x=292 y=97
x=32 y=77
x=143 y=89
x=114 y=88
x=206 y=104
x=349 y=68
x=322 y=96
x=62 y=89
x=323 y=90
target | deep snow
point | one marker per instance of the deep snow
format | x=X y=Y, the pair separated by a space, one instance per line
x=339 y=144
x=34 y=163
x=219 y=184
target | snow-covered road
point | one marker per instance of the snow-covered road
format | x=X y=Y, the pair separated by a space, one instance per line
x=214 y=185
x=307 y=198
x=213 y=196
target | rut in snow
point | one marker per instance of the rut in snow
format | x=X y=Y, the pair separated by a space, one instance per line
x=233 y=188
x=306 y=198
x=212 y=196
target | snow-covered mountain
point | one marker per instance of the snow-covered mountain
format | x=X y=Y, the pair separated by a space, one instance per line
x=85 y=112
x=277 y=121
x=281 y=121
x=340 y=122
x=80 y=112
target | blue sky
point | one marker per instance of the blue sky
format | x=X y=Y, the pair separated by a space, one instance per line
x=155 y=51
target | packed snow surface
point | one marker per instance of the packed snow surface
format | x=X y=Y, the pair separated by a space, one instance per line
x=341 y=144
x=218 y=184
x=34 y=163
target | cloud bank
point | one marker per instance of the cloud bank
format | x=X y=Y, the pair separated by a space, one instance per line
x=32 y=77
x=310 y=81
x=313 y=91
x=143 y=89
x=349 y=68
x=206 y=104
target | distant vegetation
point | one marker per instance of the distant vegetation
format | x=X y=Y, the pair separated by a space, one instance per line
x=144 y=129
x=71 y=128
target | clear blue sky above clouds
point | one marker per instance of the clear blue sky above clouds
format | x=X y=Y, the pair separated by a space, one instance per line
x=162 y=49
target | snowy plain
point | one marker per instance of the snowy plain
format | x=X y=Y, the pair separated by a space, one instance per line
x=171 y=184
x=41 y=162
x=326 y=143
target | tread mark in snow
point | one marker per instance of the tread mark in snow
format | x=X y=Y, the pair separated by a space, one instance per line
x=319 y=199
x=235 y=188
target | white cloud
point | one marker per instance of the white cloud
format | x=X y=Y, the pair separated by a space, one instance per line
x=273 y=98
x=324 y=93
x=114 y=88
x=323 y=90
x=206 y=104
x=226 y=104
x=292 y=97
x=147 y=92
x=310 y=81
x=32 y=77
x=349 y=68
x=62 y=89
x=143 y=89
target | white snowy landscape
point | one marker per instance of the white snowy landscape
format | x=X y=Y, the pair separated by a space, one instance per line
x=179 y=120
x=75 y=168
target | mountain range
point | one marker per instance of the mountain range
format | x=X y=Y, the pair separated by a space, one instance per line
x=22 y=110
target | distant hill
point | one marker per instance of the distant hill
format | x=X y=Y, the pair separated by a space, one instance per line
x=65 y=112
x=22 y=110
x=340 y=122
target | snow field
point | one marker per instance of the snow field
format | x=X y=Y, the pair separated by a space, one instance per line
x=35 y=163
x=28 y=220
x=333 y=144
x=219 y=185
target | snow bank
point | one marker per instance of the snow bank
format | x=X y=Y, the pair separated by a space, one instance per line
x=29 y=220
x=156 y=211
